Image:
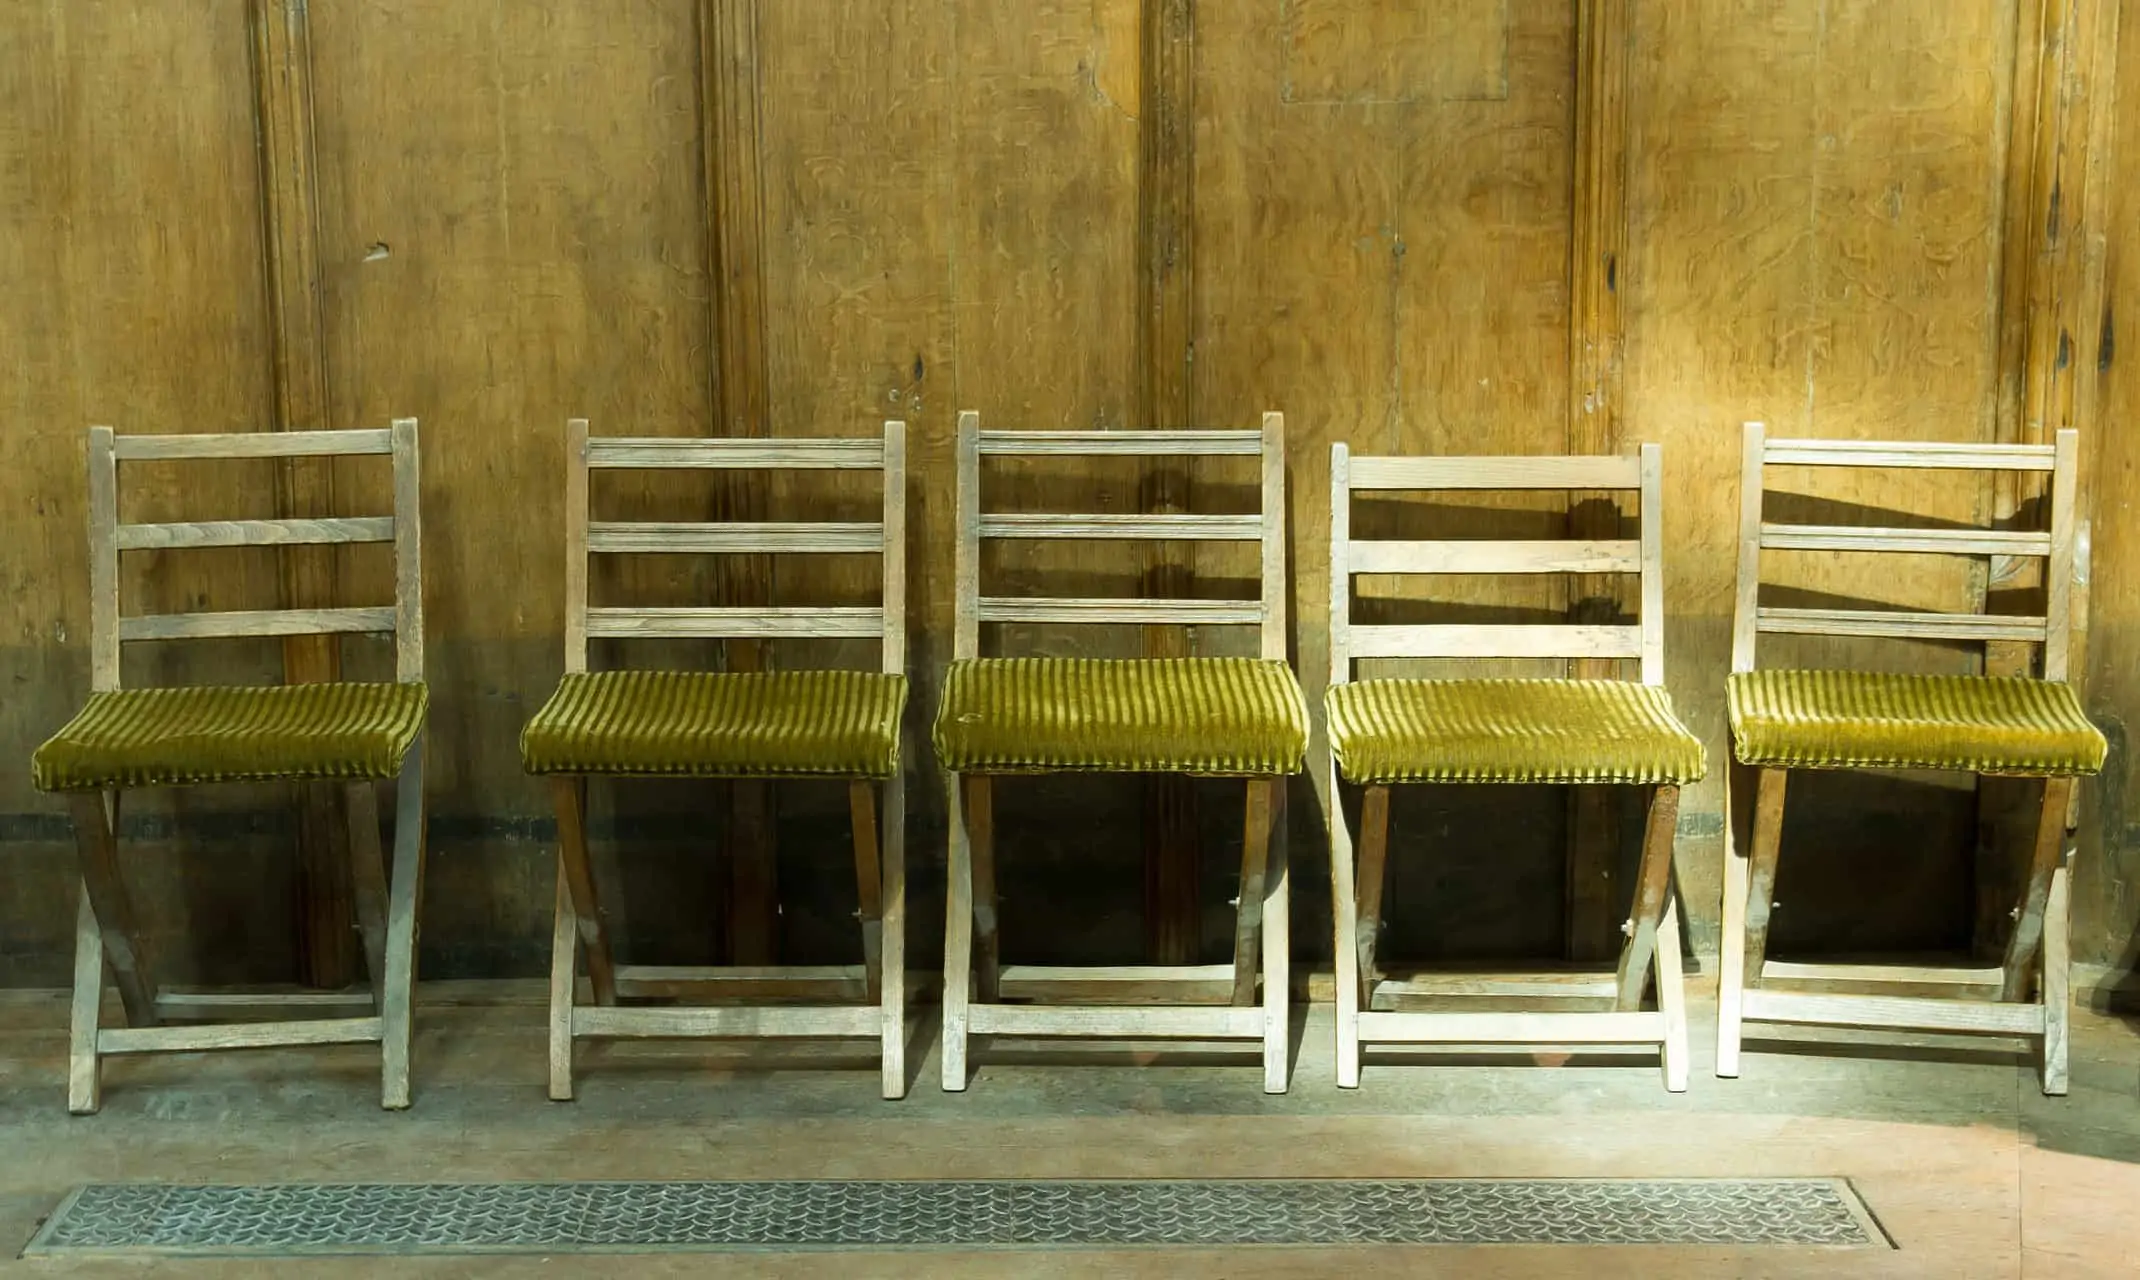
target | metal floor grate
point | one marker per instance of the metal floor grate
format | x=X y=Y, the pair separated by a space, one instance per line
x=614 y=1217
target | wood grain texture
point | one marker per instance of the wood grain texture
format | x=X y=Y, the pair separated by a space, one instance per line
x=305 y=486
x=1166 y=296
x=483 y=276
x=2106 y=873
x=1834 y=221
x=1598 y=243
x=133 y=264
x=731 y=105
x=1816 y=202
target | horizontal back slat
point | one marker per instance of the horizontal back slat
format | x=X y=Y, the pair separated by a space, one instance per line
x=254 y=444
x=617 y=452
x=1188 y=528
x=1871 y=453
x=1466 y=640
x=1150 y=612
x=1967 y=542
x=1496 y=473
x=1898 y=625
x=1123 y=443
x=267 y=622
x=739 y=624
x=254 y=533
x=772 y=537
x=1561 y=556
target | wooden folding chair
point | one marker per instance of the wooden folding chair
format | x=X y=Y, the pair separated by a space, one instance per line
x=2012 y=726
x=835 y=725
x=1389 y=731
x=1214 y=717
x=347 y=734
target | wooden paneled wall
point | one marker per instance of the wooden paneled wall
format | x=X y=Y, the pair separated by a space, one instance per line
x=1473 y=226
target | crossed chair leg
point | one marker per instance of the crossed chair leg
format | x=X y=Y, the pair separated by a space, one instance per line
x=108 y=934
x=1218 y=1002
x=2031 y=984
x=1652 y=945
x=872 y=996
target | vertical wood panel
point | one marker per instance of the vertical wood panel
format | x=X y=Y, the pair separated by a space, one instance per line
x=2106 y=876
x=1598 y=232
x=304 y=487
x=131 y=267
x=2052 y=304
x=1166 y=199
x=1816 y=201
x=735 y=214
x=514 y=233
x=1384 y=257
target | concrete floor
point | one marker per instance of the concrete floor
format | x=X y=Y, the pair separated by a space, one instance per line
x=1965 y=1164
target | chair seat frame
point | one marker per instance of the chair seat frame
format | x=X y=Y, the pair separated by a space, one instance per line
x=108 y=925
x=758 y=1002
x=1378 y=1007
x=982 y=996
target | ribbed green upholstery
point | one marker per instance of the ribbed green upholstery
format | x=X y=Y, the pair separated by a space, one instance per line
x=712 y=724
x=1386 y=731
x=1869 y=720
x=172 y=737
x=1224 y=716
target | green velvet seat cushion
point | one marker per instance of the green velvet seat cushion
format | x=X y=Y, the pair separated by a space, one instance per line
x=713 y=724
x=1221 y=716
x=1873 y=720
x=1386 y=731
x=173 y=737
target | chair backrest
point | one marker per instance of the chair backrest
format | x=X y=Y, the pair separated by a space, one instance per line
x=586 y=537
x=1642 y=556
x=107 y=538
x=2055 y=544
x=1267 y=528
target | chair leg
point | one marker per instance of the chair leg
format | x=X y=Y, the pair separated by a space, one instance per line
x=1653 y=886
x=1248 y=907
x=1761 y=868
x=981 y=841
x=404 y=901
x=2057 y=989
x=1277 y=945
x=84 y=1077
x=569 y=795
x=1754 y=831
x=892 y=986
x=1344 y=947
x=1374 y=872
x=367 y=868
x=564 y=988
x=958 y=937
x=869 y=894
x=96 y=823
x=1672 y=999
x=2028 y=920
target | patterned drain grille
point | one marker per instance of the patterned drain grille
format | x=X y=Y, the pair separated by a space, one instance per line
x=610 y=1217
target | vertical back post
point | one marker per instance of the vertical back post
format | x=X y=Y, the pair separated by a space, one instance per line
x=103 y=562
x=576 y=517
x=1340 y=563
x=1652 y=526
x=1274 y=526
x=2058 y=580
x=408 y=555
x=1754 y=447
x=966 y=577
x=895 y=547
